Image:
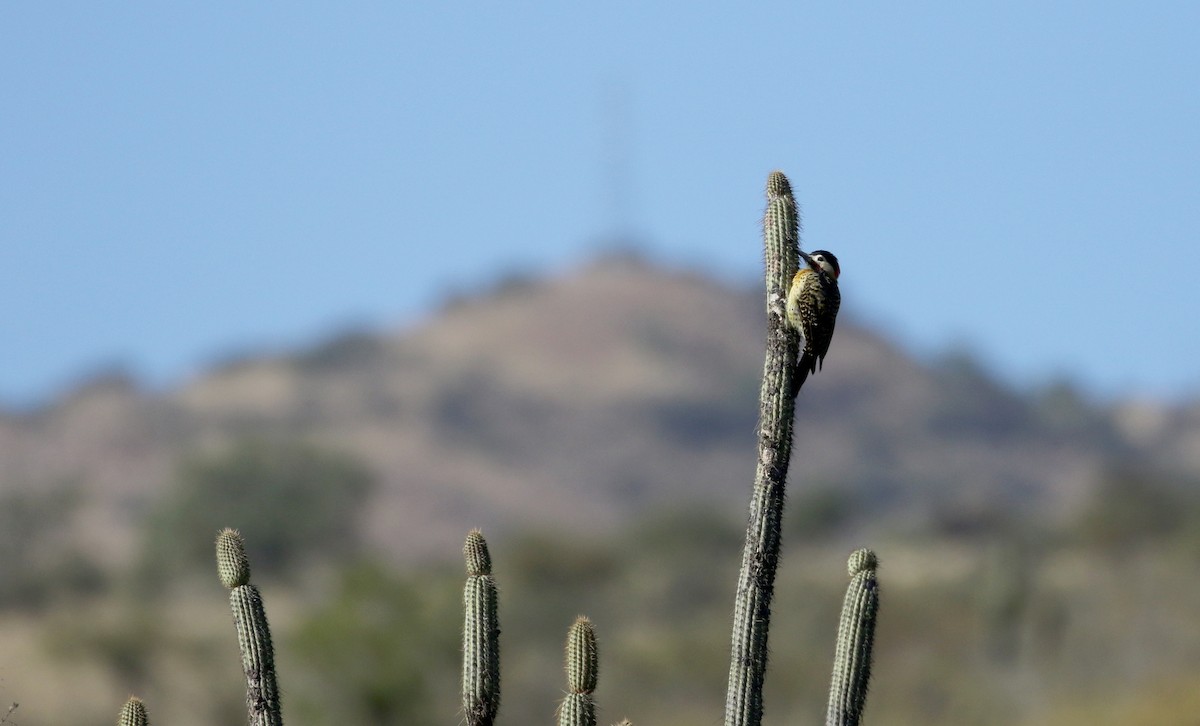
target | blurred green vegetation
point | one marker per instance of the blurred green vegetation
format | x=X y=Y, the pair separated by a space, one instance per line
x=1005 y=624
x=382 y=650
x=1134 y=507
x=125 y=640
x=299 y=500
x=39 y=562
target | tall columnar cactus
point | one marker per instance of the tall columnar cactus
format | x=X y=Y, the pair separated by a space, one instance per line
x=756 y=580
x=253 y=633
x=133 y=713
x=856 y=634
x=481 y=636
x=582 y=664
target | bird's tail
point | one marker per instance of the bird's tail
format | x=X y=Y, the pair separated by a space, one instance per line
x=807 y=364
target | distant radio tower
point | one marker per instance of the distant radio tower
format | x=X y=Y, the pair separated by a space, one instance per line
x=617 y=150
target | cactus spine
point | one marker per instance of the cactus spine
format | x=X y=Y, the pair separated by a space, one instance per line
x=253 y=633
x=481 y=636
x=756 y=580
x=582 y=664
x=133 y=713
x=856 y=634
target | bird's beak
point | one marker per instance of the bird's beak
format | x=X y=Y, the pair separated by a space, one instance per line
x=809 y=260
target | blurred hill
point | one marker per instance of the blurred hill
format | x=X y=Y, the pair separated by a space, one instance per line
x=578 y=401
x=599 y=426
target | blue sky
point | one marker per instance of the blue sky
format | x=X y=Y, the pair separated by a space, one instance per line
x=181 y=180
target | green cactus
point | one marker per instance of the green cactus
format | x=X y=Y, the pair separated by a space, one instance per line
x=233 y=566
x=781 y=238
x=481 y=636
x=756 y=580
x=582 y=664
x=254 y=635
x=133 y=713
x=856 y=634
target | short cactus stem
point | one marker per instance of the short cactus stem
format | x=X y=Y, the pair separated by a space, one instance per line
x=856 y=635
x=481 y=636
x=578 y=708
x=253 y=632
x=133 y=713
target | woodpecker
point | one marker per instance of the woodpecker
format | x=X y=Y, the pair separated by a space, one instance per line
x=812 y=309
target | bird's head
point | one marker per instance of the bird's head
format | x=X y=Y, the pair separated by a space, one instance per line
x=824 y=261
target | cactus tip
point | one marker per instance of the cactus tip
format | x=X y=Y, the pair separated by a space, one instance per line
x=475 y=552
x=778 y=185
x=861 y=560
x=582 y=657
x=133 y=713
x=233 y=567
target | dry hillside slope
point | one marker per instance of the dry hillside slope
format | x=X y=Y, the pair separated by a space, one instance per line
x=579 y=401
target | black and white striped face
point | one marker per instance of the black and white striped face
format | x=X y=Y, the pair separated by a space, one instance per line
x=827 y=262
